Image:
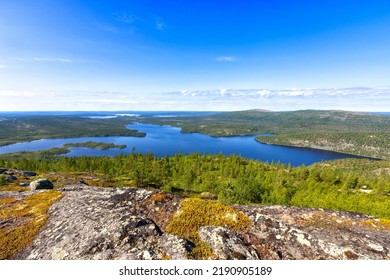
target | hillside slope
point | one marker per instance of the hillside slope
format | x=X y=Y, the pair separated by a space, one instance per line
x=129 y=223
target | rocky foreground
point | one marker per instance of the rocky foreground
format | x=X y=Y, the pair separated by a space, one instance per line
x=129 y=223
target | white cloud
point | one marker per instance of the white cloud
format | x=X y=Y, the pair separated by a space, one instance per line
x=225 y=59
x=12 y=94
x=353 y=99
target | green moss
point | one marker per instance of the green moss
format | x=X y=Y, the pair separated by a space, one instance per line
x=195 y=213
x=2 y=180
x=27 y=216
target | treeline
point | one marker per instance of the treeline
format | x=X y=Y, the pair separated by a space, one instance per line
x=368 y=144
x=255 y=121
x=353 y=184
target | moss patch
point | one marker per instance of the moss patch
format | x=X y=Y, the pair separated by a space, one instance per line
x=22 y=219
x=195 y=213
x=321 y=220
x=381 y=224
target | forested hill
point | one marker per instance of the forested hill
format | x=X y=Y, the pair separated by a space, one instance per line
x=28 y=128
x=260 y=121
x=342 y=131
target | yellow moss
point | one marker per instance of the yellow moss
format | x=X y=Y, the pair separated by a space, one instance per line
x=14 y=186
x=157 y=197
x=201 y=251
x=5 y=202
x=195 y=213
x=27 y=216
x=381 y=224
x=166 y=258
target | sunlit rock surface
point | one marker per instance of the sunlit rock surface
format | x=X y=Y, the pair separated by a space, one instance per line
x=129 y=223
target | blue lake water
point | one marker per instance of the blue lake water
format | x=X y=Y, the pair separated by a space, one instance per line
x=166 y=140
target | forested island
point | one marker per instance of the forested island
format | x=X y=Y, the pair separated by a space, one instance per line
x=95 y=145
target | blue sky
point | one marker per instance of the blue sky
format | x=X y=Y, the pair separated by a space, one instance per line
x=194 y=55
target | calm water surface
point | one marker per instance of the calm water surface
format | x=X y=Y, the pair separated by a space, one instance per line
x=166 y=140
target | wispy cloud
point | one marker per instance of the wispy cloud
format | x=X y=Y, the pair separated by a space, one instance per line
x=106 y=27
x=52 y=59
x=43 y=59
x=125 y=18
x=293 y=93
x=160 y=24
x=226 y=59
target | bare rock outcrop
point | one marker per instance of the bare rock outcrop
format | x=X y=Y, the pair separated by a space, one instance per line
x=227 y=245
x=129 y=223
x=104 y=223
x=281 y=232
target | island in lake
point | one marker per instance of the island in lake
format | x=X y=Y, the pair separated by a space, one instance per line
x=95 y=145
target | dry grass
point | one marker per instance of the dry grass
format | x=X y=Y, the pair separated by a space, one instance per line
x=321 y=220
x=20 y=220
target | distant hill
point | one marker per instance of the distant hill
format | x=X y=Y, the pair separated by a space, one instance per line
x=356 y=133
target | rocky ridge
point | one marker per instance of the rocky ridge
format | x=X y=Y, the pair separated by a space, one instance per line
x=129 y=223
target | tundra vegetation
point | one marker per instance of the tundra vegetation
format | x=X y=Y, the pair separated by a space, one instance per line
x=26 y=217
x=358 y=185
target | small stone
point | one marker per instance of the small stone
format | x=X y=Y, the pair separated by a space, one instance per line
x=10 y=178
x=29 y=174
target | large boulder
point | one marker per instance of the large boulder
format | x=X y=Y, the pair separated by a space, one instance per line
x=104 y=223
x=41 y=184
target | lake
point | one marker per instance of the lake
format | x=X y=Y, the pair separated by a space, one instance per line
x=167 y=140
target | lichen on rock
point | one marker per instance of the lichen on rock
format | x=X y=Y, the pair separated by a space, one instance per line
x=131 y=223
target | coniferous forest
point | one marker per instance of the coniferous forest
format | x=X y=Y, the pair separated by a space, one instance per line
x=358 y=185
